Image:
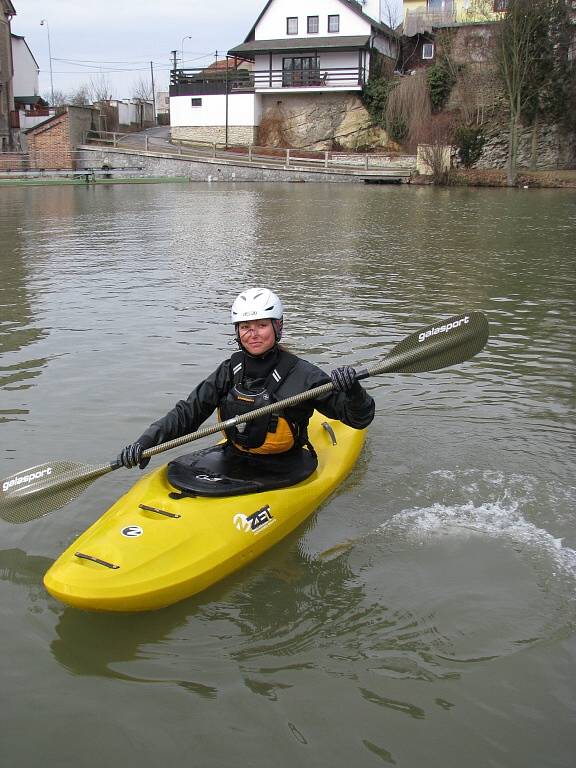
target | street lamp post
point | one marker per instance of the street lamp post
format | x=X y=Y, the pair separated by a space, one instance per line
x=188 y=37
x=42 y=23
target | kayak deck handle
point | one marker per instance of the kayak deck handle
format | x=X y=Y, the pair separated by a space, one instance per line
x=158 y=511
x=331 y=432
x=97 y=560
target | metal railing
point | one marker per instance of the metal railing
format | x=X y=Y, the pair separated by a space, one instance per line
x=49 y=163
x=252 y=154
x=75 y=163
x=424 y=20
x=339 y=77
x=187 y=82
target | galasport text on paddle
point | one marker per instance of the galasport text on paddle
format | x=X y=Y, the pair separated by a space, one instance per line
x=34 y=492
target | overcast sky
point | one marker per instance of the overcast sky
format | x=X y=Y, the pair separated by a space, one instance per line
x=117 y=39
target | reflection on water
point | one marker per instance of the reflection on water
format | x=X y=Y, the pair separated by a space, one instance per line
x=445 y=565
x=19 y=328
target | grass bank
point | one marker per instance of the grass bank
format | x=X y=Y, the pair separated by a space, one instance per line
x=474 y=177
x=50 y=181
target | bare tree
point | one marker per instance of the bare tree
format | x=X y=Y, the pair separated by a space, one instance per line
x=517 y=50
x=99 y=89
x=60 y=98
x=390 y=13
x=80 y=97
x=142 y=89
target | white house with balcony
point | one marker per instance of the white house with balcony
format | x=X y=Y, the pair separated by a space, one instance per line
x=29 y=105
x=305 y=53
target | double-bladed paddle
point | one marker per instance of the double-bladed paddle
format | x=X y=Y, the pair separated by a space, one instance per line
x=35 y=492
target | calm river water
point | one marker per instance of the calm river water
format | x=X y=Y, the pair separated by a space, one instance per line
x=425 y=615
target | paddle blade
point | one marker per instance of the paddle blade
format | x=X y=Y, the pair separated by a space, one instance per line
x=34 y=492
x=447 y=342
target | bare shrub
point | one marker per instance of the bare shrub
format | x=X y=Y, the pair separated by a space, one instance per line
x=272 y=130
x=409 y=109
x=435 y=147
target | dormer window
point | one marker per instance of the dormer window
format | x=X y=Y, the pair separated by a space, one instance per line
x=334 y=23
x=292 y=25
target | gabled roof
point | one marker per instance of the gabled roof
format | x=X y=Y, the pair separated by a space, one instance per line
x=251 y=48
x=21 y=37
x=8 y=8
x=223 y=64
x=352 y=4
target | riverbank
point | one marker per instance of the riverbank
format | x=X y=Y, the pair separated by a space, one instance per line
x=552 y=179
x=84 y=179
x=474 y=177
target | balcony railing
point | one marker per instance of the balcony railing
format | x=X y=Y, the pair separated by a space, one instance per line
x=192 y=82
x=317 y=77
x=422 y=20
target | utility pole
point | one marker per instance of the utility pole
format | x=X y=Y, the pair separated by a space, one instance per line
x=42 y=23
x=173 y=76
x=226 y=130
x=153 y=92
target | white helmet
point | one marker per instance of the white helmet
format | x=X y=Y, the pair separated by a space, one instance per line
x=258 y=304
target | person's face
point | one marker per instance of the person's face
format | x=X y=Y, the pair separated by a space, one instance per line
x=257 y=336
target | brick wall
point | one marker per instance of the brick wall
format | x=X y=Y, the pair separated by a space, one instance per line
x=52 y=144
x=49 y=144
x=13 y=161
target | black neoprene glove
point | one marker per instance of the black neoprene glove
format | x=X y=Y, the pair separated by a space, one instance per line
x=344 y=378
x=132 y=456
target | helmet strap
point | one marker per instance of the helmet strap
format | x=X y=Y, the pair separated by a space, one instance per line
x=277 y=325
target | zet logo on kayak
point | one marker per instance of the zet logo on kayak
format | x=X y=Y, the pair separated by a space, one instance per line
x=255 y=522
x=132 y=531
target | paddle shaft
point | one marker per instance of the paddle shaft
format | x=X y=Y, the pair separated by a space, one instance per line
x=34 y=492
x=418 y=352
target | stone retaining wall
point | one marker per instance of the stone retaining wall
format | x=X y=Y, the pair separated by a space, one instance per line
x=237 y=134
x=209 y=169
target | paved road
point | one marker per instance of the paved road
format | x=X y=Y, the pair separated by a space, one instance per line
x=157 y=139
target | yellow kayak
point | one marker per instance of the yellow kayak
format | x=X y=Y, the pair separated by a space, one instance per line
x=156 y=546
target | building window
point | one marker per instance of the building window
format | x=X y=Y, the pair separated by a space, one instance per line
x=196 y=102
x=334 y=23
x=300 y=71
x=428 y=50
x=500 y=6
x=292 y=25
x=313 y=25
x=441 y=5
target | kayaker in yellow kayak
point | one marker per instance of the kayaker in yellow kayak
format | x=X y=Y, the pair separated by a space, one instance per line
x=258 y=374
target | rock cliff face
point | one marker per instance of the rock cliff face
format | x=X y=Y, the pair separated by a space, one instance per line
x=554 y=149
x=324 y=121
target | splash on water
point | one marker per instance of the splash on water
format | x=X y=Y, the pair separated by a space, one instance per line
x=491 y=519
x=475 y=518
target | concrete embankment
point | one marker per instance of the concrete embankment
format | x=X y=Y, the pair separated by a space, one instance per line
x=160 y=164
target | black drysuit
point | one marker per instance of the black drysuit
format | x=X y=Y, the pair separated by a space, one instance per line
x=354 y=408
